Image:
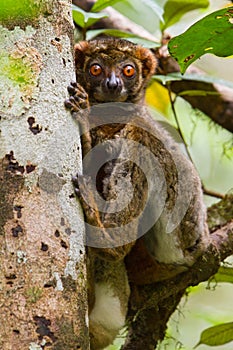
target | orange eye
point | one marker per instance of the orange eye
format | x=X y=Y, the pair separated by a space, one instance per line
x=129 y=71
x=96 y=70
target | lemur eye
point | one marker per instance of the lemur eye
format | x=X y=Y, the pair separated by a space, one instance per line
x=128 y=71
x=96 y=70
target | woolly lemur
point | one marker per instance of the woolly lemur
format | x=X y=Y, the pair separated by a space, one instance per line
x=141 y=197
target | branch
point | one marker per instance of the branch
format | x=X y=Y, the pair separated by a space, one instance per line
x=217 y=100
x=156 y=302
x=219 y=214
x=115 y=21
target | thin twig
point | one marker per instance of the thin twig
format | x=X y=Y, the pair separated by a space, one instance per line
x=212 y=193
x=205 y=190
x=177 y=121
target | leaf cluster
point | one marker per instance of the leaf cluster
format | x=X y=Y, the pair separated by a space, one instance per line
x=204 y=36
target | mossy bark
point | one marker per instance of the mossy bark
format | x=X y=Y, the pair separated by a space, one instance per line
x=42 y=271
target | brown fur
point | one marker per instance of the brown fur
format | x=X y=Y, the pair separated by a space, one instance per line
x=157 y=255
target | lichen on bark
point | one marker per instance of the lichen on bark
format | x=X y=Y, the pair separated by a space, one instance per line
x=41 y=226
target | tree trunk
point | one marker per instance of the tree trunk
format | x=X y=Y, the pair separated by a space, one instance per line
x=43 y=300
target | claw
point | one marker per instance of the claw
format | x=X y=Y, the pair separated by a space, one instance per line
x=83 y=95
x=77 y=97
x=68 y=104
x=75 y=180
x=77 y=192
x=71 y=89
x=73 y=83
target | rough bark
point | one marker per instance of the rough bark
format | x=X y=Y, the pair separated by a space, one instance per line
x=42 y=276
x=148 y=315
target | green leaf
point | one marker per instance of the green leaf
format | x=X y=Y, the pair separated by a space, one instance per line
x=175 y=9
x=86 y=19
x=217 y=335
x=102 y=4
x=153 y=5
x=123 y=35
x=145 y=13
x=198 y=93
x=192 y=77
x=224 y=274
x=164 y=79
x=202 y=78
x=212 y=34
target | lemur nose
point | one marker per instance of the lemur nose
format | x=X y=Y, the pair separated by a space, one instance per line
x=112 y=82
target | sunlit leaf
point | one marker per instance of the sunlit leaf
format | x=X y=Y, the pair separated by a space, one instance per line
x=157 y=96
x=217 y=335
x=175 y=9
x=212 y=34
x=102 y=4
x=224 y=274
x=86 y=19
x=124 y=35
x=198 y=93
x=164 y=79
x=145 y=13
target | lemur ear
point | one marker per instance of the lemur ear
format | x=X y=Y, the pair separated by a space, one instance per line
x=80 y=50
x=149 y=62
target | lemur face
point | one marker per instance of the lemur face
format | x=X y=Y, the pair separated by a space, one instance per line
x=113 y=70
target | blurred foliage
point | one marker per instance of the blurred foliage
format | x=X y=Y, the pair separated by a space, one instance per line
x=175 y=9
x=19 y=10
x=91 y=34
x=217 y=335
x=86 y=19
x=209 y=145
x=224 y=274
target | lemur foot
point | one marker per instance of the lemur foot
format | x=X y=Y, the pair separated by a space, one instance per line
x=84 y=190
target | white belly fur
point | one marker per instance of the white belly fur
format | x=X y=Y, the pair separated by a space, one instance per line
x=111 y=301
